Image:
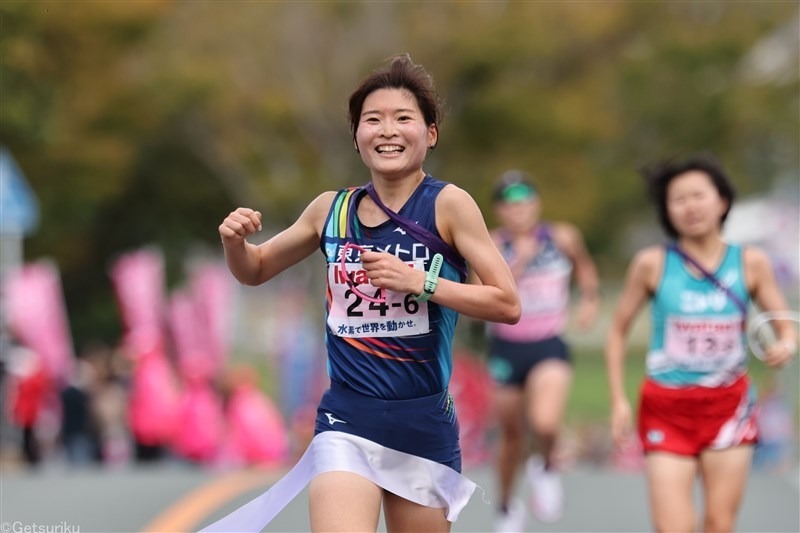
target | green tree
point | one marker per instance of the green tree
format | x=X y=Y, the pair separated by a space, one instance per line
x=145 y=122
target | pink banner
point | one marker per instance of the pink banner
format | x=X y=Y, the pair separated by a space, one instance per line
x=191 y=338
x=212 y=289
x=138 y=279
x=36 y=314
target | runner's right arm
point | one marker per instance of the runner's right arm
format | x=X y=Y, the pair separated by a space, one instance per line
x=640 y=284
x=255 y=264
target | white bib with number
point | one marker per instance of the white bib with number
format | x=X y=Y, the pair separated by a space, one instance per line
x=352 y=316
x=703 y=344
x=543 y=294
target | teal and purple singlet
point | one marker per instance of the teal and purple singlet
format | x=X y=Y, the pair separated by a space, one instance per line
x=698 y=336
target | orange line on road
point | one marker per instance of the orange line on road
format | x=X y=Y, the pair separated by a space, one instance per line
x=187 y=513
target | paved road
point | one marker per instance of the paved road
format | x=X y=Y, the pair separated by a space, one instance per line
x=176 y=498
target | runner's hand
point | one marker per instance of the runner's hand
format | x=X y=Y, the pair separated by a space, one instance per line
x=388 y=272
x=621 y=422
x=588 y=309
x=780 y=354
x=239 y=224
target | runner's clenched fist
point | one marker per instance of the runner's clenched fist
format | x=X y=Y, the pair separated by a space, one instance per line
x=239 y=224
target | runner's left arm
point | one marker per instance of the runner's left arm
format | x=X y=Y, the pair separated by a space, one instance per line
x=570 y=240
x=766 y=293
x=461 y=224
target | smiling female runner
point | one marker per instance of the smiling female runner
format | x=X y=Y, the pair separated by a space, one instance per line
x=396 y=251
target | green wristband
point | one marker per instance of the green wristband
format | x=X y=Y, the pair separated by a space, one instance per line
x=431 y=279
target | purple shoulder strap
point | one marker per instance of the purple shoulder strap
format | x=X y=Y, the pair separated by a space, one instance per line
x=711 y=277
x=421 y=234
x=543 y=232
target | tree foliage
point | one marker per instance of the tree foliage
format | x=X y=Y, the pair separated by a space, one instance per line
x=145 y=122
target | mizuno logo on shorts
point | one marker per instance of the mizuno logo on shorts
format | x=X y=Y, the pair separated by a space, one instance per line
x=332 y=420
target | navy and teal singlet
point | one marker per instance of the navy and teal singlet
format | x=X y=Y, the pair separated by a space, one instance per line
x=400 y=349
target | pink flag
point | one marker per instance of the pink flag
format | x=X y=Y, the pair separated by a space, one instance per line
x=36 y=314
x=138 y=279
x=191 y=337
x=212 y=290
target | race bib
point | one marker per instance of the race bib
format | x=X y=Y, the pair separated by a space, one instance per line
x=543 y=294
x=703 y=343
x=350 y=315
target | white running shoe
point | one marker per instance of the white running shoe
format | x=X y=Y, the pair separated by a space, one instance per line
x=513 y=520
x=547 y=493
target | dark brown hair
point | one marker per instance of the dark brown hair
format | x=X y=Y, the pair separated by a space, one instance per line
x=659 y=174
x=399 y=73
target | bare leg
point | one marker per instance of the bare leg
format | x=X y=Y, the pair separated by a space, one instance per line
x=508 y=406
x=547 y=392
x=670 y=482
x=344 y=502
x=724 y=474
x=405 y=516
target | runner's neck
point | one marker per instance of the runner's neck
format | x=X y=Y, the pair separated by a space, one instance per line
x=709 y=252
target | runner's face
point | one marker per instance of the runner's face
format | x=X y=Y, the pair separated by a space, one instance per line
x=392 y=136
x=694 y=205
x=520 y=216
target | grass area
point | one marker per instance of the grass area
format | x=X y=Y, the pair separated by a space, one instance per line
x=589 y=397
x=588 y=402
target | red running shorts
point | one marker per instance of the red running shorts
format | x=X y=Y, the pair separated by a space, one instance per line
x=689 y=420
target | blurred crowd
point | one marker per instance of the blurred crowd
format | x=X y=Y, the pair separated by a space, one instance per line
x=115 y=412
x=169 y=390
x=97 y=418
